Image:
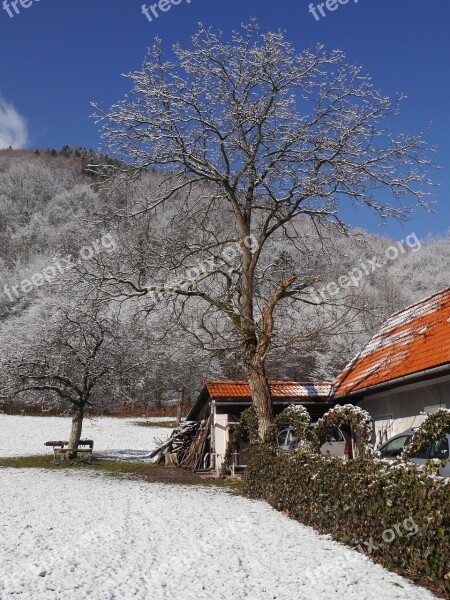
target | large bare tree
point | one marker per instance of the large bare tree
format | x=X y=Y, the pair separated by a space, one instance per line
x=269 y=136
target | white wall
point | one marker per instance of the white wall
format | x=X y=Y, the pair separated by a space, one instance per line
x=221 y=436
x=223 y=429
x=397 y=410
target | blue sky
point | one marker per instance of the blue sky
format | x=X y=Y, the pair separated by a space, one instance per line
x=59 y=55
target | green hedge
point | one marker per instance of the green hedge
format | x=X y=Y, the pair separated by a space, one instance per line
x=363 y=503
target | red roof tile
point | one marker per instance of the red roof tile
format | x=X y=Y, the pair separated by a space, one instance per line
x=279 y=389
x=411 y=341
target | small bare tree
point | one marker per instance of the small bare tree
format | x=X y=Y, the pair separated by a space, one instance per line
x=269 y=136
x=62 y=352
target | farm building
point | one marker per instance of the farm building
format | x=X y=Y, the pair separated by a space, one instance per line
x=224 y=401
x=404 y=371
x=400 y=376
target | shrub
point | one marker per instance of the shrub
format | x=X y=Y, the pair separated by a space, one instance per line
x=357 y=419
x=295 y=416
x=432 y=429
x=358 y=501
x=247 y=429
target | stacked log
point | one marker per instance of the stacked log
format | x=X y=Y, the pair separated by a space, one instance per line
x=186 y=446
x=193 y=458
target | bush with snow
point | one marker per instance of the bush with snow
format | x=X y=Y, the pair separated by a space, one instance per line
x=433 y=428
x=356 y=501
x=354 y=417
x=295 y=416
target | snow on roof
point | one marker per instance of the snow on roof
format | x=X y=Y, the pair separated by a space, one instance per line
x=279 y=389
x=412 y=340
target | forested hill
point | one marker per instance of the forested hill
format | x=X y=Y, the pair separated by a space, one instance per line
x=52 y=207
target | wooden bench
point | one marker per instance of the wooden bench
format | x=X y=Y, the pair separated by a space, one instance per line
x=62 y=452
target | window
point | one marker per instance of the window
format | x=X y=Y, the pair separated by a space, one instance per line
x=282 y=438
x=425 y=452
x=336 y=435
x=291 y=439
x=440 y=449
x=395 y=446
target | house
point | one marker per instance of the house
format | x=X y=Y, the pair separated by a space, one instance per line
x=224 y=401
x=400 y=376
x=404 y=371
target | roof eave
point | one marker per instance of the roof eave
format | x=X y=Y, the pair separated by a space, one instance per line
x=199 y=404
x=395 y=382
x=306 y=401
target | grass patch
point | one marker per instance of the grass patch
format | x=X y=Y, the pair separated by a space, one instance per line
x=48 y=462
x=169 y=424
x=138 y=470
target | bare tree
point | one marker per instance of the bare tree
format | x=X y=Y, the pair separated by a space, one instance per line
x=61 y=352
x=267 y=136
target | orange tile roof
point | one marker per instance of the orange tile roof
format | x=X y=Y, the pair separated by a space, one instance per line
x=279 y=389
x=411 y=341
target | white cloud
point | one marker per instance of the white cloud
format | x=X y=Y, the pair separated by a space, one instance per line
x=13 y=127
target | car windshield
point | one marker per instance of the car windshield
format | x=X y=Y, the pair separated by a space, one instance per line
x=336 y=435
x=282 y=437
x=395 y=446
x=286 y=437
x=290 y=438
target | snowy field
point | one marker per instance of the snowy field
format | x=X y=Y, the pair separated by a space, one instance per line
x=69 y=536
x=25 y=436
x=80 y=536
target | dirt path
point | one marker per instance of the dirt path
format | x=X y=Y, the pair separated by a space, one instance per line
x=163 y=474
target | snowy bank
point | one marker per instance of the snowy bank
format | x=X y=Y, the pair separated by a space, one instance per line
x=84 y=537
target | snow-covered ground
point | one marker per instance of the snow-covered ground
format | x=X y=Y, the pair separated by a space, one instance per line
x=84 y=536
x=25 y=436
x=72 y=536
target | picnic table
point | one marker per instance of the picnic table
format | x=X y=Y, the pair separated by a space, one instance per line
x=62 y=451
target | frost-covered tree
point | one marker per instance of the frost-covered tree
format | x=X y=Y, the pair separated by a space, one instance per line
x=62 y=351
x=267 y=136
x=155 y=361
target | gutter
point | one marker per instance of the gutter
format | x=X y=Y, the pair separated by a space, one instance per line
x=326 y=400
x=397 y=380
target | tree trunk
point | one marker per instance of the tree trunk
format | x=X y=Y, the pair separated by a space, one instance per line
x=158 y=400
x=77 y=426
x=180 y=406
x=255 y=350
x=260 y=390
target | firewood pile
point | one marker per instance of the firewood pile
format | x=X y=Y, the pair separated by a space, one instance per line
x=186 y=446
x=193 y=457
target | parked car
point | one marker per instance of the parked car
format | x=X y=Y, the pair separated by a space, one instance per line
x=287 y=440
x=438 y=449
x=338 y=445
